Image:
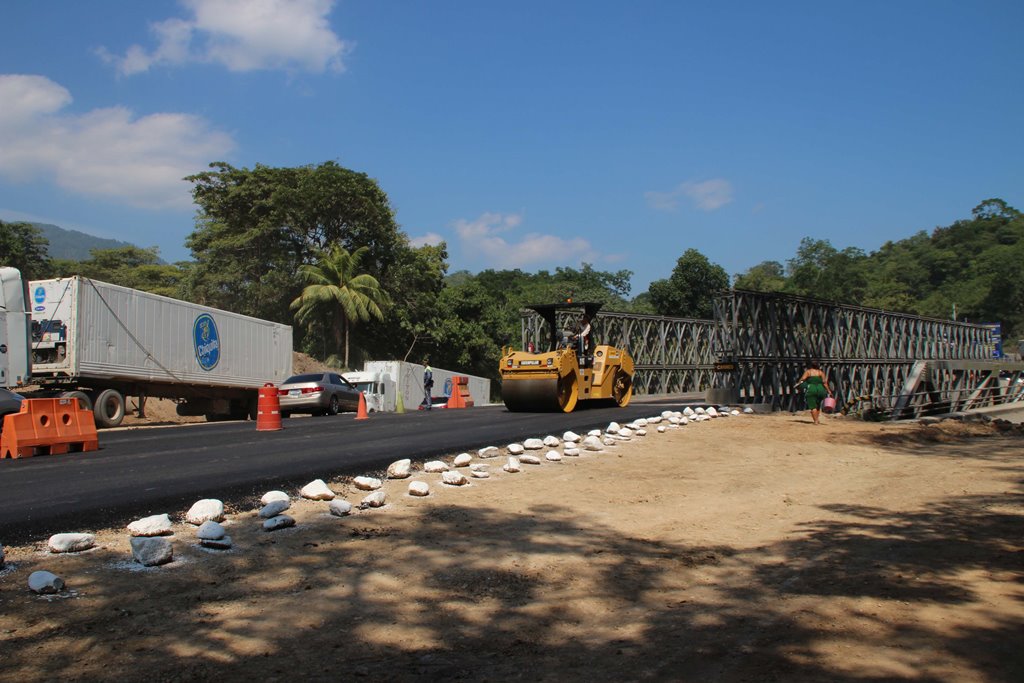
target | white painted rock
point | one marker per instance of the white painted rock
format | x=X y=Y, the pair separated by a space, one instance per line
x=435 y=466
x=641 y=432
x=70 y=543
x=205 y=510
x=594 y=432
x=571 y=452
x=339 y=507
x=515 y=449
x=688 y=411
x=479 y=467
x=274 y=508
x=222 y=543
x=279 y=522
x=592 y=443
x=512 y=465
x=152 y=551
x=45 y=583
x=711 y=412
x=480 y=474
x=655 y=420
x=612 y=427
x=210 y=531
x=154 y=525
x=661 y=429
x=271 y=496
x=367 y=483
x=552 y=442
x=632 y=426
x=675 y=420
x=400 y=469
x=419 y=488
x=685 y=420
x=666 y=414
x=571 y=437
x=748 y=410
x=529 y=459
x=625 y=433
x=317 y=490
x=462 y=460
x=642 y=422
x=609 y=441
x=553 y=456
x=533 y=444
x=374 y=500
x=487 y=452
x=703 y=418
x=454 y=478
x=699 y=411
x=734 y=412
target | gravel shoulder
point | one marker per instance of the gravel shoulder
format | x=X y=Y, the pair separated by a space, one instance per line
x=746 y=548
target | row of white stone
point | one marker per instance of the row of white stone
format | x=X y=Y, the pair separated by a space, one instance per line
x=150 y=547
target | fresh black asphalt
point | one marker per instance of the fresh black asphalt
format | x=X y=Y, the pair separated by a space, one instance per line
x=140 y=472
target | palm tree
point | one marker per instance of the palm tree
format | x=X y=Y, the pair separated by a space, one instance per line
x=336 y=286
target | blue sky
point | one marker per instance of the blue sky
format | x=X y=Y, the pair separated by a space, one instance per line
x=530 y=134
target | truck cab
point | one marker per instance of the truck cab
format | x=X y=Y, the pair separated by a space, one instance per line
x=15 y=367
x=378 y=389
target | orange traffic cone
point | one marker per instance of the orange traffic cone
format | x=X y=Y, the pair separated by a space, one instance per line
x=361 y=414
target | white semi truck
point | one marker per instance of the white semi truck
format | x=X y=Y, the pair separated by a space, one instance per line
x=98 y=342
x=381 y=382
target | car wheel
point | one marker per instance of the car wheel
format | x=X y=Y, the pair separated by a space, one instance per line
x=332 y=408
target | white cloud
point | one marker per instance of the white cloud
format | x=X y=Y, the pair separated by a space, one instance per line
x=481 y=238
x=431 y=238
x=242 y=35
x=708 y=195
x=110 y=152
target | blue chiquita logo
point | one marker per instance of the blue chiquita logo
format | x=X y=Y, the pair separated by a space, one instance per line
x=448 y=387
x=39 y=294
x=207 y=341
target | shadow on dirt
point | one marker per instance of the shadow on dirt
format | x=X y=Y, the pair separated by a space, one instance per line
x=540 y=595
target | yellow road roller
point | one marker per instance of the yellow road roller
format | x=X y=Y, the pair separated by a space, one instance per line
x=572 y=369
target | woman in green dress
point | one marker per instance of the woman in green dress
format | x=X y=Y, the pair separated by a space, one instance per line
x=816 y=388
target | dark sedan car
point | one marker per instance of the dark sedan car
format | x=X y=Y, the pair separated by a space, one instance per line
x=318 y=393
x=10 y=402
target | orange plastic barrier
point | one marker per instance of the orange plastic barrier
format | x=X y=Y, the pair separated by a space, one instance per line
x=361 y=414
x=268 y=409
x=460 y=397
x=48 y=426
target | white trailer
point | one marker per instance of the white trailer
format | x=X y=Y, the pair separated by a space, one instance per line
x=100 y=342
x=381 y=381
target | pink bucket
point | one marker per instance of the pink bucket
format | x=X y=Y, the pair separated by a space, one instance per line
x=828 y=405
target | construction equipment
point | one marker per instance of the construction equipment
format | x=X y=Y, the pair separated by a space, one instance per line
x=572 y=369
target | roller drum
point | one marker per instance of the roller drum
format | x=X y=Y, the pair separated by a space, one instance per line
x=540 y=395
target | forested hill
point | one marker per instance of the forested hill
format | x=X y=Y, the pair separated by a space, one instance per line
x=72 y=244
x=973 y=268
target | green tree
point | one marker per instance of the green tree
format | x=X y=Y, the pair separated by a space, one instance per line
x=767 y=276
x=23 y=246
x=338 y=288
x=690 y=290
x=256 y=227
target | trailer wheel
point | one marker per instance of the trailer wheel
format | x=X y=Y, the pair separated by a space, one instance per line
x=84 y=402
x=109 y=408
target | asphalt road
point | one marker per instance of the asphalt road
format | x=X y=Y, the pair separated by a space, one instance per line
x=141 y=472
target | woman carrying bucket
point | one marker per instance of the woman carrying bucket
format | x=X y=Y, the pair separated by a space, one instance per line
x=816 y=388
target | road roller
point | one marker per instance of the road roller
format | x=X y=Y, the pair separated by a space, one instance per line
x=572 y=368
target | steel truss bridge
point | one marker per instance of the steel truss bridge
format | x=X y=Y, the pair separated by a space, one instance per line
x=869 y=355
x=759 y=344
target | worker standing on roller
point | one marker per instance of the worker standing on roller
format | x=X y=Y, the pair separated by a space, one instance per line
x=428 y=382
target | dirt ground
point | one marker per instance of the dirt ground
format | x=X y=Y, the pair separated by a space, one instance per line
x=753 y=548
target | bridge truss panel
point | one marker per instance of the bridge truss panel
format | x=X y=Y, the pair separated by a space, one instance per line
x=670 y=355
x=866 y=353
